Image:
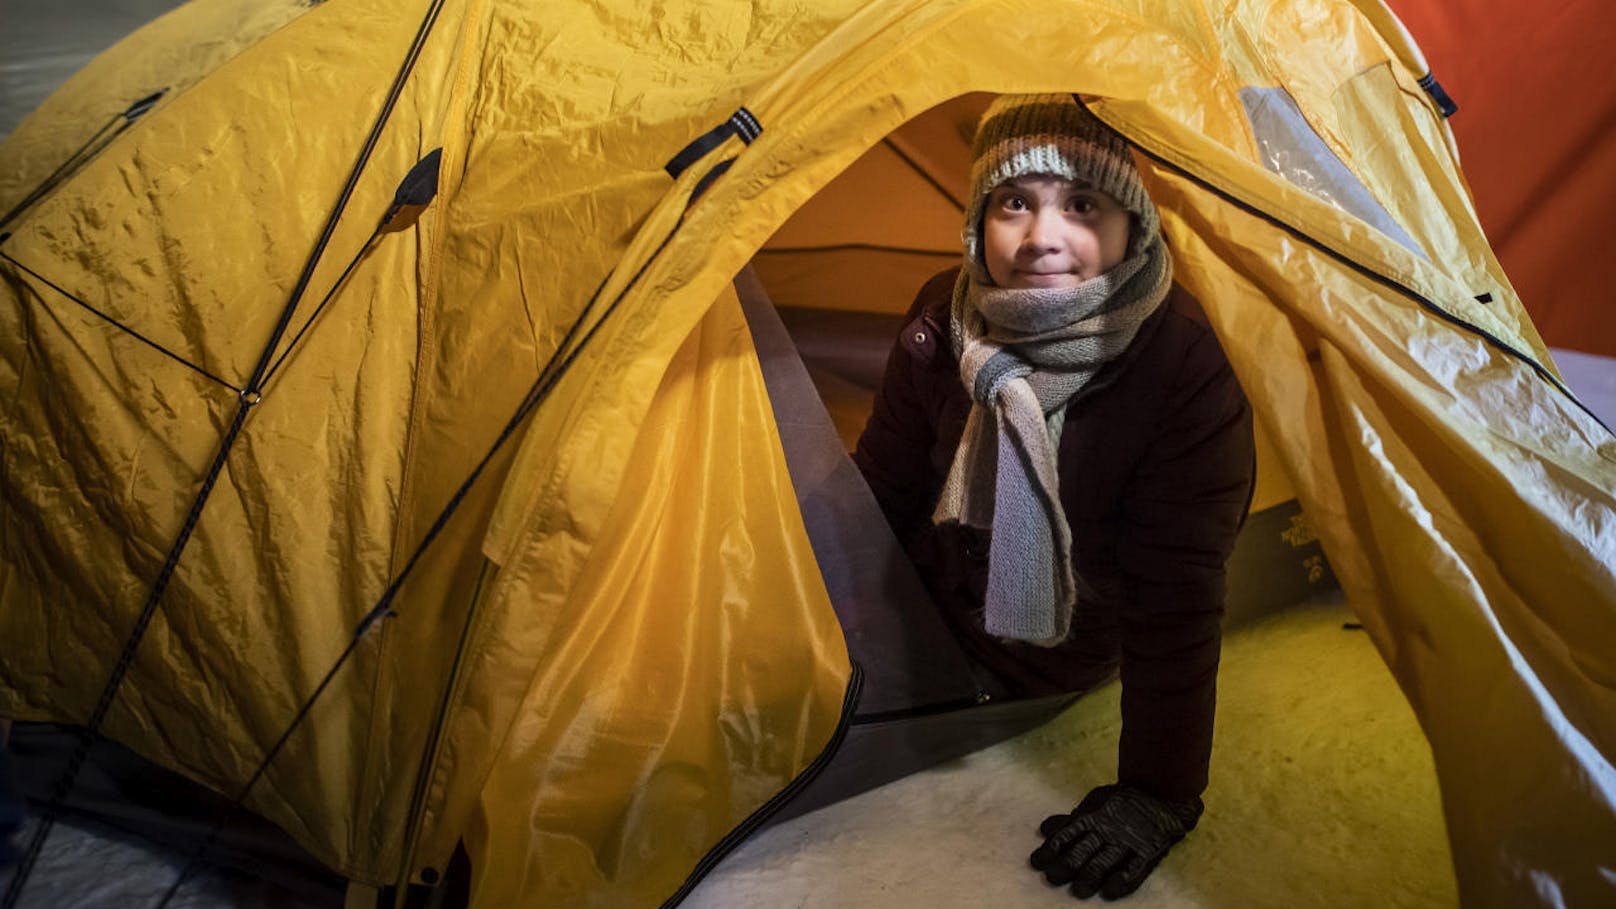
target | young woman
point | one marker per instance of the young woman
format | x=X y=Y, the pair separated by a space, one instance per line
x=1064 y=452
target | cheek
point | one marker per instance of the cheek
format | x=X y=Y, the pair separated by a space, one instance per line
x=1112 y=239
x=999 y=246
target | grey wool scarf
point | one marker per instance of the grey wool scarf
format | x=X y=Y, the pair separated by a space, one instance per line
x=1023 y=354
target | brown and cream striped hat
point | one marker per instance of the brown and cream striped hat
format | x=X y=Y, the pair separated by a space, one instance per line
x=1051 y=134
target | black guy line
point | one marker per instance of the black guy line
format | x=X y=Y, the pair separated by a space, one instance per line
x=309 y=322
x=83 y=154
x=65 y=169
x=121 y=326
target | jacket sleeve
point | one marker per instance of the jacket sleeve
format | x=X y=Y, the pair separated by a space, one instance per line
x=894 y=450
x=1183 y=508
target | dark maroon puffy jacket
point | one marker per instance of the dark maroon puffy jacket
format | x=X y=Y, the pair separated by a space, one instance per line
x=1156 y=466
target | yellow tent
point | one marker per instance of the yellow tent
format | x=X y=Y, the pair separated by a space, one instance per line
x=499 y=480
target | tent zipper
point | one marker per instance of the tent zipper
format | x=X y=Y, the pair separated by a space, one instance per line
x=924 y=710
x=1424 y=302
x=755 y=820
x=433 y=751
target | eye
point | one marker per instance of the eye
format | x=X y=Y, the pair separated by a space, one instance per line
x=1013 y=202
x=1083 y=205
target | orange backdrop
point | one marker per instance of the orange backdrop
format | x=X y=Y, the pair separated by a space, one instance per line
x=1536 y=89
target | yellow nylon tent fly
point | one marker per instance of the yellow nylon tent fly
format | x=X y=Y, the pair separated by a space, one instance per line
x=617 y=646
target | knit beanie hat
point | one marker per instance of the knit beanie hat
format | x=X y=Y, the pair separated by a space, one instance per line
x=1051 y=134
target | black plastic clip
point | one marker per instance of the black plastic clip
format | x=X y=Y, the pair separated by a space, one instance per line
x=415 y=192
x=1439 y=95
x=741 y=123
x=143 y=105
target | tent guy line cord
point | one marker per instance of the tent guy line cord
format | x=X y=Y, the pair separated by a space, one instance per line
x=1425 y=302
x=83 y=154
x=121 y=326
x=554 y=369
x=73 y=162
x=249 y=397
x=415 y=192
x=309 y=322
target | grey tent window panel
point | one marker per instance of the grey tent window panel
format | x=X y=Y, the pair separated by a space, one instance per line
x=1291 y=148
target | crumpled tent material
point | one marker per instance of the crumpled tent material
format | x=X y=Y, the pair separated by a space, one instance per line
x=617 y=645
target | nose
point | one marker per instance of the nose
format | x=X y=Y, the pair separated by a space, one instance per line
x=1044 y=230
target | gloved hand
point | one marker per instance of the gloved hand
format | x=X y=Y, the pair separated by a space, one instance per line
x=1111 y=840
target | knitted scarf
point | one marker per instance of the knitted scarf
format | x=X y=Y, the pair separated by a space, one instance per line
x=1023 y=354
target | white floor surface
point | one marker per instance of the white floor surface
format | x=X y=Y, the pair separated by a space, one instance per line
x=1323 y=795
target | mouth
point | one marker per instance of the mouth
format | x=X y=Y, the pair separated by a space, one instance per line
x=1045 y=278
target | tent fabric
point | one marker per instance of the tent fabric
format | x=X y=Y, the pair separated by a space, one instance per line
x=779 y=669
x=620 y=646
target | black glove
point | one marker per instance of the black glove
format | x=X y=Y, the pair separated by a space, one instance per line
x=1111 y=840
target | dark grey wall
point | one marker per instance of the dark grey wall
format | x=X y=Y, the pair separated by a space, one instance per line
x=43 y=42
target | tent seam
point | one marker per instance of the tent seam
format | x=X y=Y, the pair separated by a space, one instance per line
x=454 y=148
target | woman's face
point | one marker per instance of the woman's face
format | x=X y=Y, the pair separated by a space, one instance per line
x=1047 y=231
